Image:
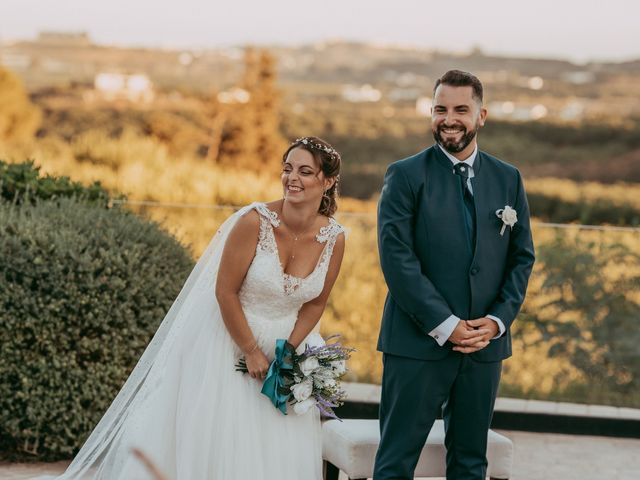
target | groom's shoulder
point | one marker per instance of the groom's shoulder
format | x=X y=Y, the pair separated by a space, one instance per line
x=415 y=161
x=498 y=164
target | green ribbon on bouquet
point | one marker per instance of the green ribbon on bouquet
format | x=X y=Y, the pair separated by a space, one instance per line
x=275 y=386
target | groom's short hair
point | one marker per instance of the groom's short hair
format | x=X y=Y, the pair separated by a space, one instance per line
x=458 y=78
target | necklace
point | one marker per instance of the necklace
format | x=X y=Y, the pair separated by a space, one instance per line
x=296 y=236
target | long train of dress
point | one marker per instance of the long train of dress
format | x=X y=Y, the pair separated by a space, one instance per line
x=184 y=404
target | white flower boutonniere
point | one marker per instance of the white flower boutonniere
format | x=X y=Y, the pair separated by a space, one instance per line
x=508 y=216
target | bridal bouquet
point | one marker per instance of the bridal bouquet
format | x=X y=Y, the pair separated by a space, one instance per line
x=306 y=380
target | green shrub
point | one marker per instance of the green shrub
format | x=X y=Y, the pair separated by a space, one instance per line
x=550 y=208
x=22 y=181
x=582 y=309
x=82 y=290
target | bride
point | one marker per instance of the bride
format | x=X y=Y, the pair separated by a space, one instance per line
x=266 y=274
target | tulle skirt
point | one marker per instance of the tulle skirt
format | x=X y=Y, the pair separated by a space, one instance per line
x=197 y=418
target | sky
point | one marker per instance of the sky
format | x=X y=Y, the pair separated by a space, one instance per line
x=578 y=30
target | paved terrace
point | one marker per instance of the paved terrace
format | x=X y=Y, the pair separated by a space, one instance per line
x=538 y=456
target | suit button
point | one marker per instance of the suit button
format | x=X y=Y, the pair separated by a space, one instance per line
x=474 y=270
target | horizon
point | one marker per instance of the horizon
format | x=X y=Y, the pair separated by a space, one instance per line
x=334 y=40
x=498 y=29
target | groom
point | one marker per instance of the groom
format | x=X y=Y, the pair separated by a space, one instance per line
x=456 y=253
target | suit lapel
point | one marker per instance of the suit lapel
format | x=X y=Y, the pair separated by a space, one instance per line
x=442 y=159
x=478 y=196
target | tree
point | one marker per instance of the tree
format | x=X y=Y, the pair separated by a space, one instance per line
x=250 y=137
x=265 y=98
x=19 y=118
x=586 y=310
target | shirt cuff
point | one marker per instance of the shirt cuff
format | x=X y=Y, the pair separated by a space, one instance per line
x=443 y=331
x=500 y=326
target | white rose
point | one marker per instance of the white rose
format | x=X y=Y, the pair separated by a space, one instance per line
x=309 y=365
x=301 y=391
x=508 y=216
x=303 y=407
x=339 y=367
x=315 y=340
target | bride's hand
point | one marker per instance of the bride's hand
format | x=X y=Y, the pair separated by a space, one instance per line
x=257 y=364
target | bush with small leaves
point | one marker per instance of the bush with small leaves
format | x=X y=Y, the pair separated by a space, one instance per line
x=20 y=182
x=82 y=290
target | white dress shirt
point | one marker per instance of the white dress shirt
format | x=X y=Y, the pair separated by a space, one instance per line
x=443 y=331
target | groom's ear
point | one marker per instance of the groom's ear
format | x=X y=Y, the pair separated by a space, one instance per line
x=483 y=116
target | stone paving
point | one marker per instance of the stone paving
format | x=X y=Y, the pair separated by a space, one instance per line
x=550 y=456
x=538 y=456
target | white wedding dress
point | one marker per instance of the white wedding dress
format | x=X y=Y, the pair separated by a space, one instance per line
x=187 y=407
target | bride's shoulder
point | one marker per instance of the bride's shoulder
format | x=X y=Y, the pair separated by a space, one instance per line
x=256 y=210
x=332 y=229
x=248 y=219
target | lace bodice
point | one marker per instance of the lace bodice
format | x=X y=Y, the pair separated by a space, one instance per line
x=270 y=297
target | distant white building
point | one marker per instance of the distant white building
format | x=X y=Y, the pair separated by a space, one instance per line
x=579 y=77
x=404 y=94
x=234 y=95
x=517 y=112
x=120 y=86
x=573 y=110
x=535 y=83
x=15 y=61
x=51 y=65
x=362 y=93
x=185 y=59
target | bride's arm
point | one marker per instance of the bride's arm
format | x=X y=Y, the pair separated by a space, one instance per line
x=311 y=311
x=237 y=256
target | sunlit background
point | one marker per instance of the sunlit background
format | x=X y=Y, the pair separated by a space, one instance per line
x=181 y=110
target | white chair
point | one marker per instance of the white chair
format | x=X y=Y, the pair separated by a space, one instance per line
x=350 y=446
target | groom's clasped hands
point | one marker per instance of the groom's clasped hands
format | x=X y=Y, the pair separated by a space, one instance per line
x=472 y=335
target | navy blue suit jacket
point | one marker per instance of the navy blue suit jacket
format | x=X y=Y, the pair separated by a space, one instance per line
x=429 y=268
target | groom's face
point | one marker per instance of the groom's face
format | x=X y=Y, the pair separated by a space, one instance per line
x=456 y=117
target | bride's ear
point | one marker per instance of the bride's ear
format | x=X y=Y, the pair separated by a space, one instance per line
x=329 y=182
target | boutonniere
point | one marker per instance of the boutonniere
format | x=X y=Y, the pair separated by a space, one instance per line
x=508 y=216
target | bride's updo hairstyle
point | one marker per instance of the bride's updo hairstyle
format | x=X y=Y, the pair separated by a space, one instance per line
x=329 y=161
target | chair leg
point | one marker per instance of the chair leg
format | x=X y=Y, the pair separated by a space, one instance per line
x=496 y=478
x=331 y=472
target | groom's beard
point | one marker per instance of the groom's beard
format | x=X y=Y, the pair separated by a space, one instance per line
x=452 y=146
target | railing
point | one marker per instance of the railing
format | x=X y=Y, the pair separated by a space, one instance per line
x=575 y=339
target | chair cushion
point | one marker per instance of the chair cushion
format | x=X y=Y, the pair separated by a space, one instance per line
x=351 y=446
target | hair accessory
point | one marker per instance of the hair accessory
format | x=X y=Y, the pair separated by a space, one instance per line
x=316 y=146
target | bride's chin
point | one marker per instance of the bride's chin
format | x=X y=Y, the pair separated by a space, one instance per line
x=299 y=200
x=290 y=199
x=294 y=197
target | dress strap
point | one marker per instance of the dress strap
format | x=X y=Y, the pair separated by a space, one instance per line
x=268 y=220
x=265 y=213
x=330 y=231
x=328 y=234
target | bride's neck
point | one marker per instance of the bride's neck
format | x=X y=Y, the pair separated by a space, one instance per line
x=298 y=217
